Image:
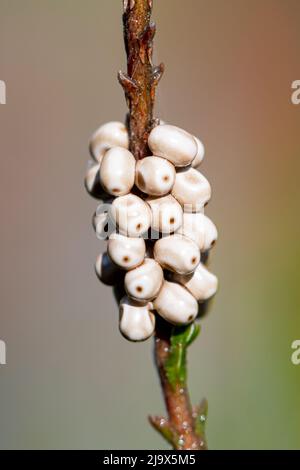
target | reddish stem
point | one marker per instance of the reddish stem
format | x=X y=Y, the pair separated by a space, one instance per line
x=142 y=77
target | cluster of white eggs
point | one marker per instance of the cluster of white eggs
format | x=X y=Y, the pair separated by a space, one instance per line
x=156 y=206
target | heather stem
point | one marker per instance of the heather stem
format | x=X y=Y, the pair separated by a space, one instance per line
x=184 y=427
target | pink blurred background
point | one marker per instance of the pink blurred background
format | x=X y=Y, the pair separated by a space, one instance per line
x=71 y=380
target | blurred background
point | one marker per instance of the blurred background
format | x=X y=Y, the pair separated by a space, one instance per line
x=71 y=381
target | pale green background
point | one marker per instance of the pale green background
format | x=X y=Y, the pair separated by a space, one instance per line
x=71 y=380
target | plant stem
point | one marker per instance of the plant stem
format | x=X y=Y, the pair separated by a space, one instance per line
x=142 y=77
x=184 y=427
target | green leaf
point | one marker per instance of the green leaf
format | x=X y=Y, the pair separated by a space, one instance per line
x=175 y=365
